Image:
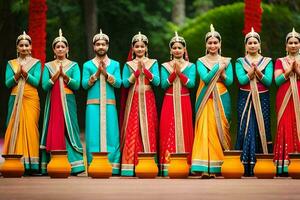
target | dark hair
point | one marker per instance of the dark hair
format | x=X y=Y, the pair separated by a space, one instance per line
x=54 y=44
x=287 y=39
x=251 y=37
x=107 y=42
x=216 y=36
x=133 y=43
x=172 y=43
x=23 y=39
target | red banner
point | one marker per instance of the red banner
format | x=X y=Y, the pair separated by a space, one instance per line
x=37 y=28
x=253 y=13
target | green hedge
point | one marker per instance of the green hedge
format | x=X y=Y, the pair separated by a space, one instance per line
x=228 y=20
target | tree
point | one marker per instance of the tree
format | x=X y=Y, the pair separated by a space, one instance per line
x=91 y=23
x=178 y=12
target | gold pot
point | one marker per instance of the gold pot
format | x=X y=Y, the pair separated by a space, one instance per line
x=294 y=166
x=59 y=166
x=178 y=166
x=232 y=166
x=264 y=167
x=146 y=167
x=12 y=167
x=100 y=166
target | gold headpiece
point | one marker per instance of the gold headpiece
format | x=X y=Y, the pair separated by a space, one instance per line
x=252 y=33
x=139 y=37
x=60 y=38
x=100 y=36
x=23 y=36
x=177 y=38
x=212 y=33
x=292 y=34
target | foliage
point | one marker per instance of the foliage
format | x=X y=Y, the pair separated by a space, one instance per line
x=229 y=21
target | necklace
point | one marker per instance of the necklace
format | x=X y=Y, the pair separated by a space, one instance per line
x=23 y=61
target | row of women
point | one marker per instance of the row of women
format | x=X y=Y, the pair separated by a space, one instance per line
x=204 y=141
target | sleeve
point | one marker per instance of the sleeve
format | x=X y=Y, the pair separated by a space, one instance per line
x=86 y=74
x=204 y=74
x=155 y=74
x=46 y=80
x=229 y=75
x=34 y=79
x=128 y=77
x=279 y=80
x=74 y=82
x=191 y=75
x=116 y=76
x=267 y=77
x=241 y=74
x=165 y=82
x=9 y=77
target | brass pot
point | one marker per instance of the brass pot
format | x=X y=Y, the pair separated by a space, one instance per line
x=59 y=166
x=232 y=168
x=294 y=166
x=178 y=166
x=12 y=167
x=264 y=167
x=146 y=167
x=100 y=166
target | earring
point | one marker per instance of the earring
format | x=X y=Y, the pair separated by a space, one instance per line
x=67 y=54
x=220 y=52
x=54 y=56
x=171 y=56
x=259 y=51
x=206 y=51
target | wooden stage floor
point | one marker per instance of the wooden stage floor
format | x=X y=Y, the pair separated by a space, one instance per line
x=116 y=188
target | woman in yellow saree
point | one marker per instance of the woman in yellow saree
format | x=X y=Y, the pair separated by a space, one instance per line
x=22 y=76
x=212 y=109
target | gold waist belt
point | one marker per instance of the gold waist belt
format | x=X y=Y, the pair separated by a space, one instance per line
x=147 y=88
x=171 y=94
x=97 y=101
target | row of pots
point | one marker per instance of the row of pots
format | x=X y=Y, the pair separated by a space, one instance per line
x=59 y=167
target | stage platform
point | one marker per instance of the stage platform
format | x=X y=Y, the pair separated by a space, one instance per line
x=116 y=188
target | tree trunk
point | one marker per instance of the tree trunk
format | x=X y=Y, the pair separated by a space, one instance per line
x=90 y=15
x=178 y=12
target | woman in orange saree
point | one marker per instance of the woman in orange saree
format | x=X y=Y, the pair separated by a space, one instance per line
x=22 y=134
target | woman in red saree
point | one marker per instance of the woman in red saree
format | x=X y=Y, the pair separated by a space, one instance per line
x=176 y=121
x=140 y=125
x=287 y=78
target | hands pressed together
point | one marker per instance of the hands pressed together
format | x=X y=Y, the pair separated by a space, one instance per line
x=59 y=73
x=21 y=73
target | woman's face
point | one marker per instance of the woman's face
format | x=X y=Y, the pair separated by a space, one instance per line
x=293 y=45
x=60 y=50
x=252 y=46
x=177 y=50
x=213 y=45
x=139 y=49
x=24 y=48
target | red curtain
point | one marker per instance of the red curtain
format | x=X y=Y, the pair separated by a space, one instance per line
x=37 y=28
x=253 y=13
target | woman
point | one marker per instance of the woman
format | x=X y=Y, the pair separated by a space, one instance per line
x=176 y=123
x=287 y=78
x=254 y=73
x=140 y=124
x=212 y=109
x=60 y=127
x=22 y=134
